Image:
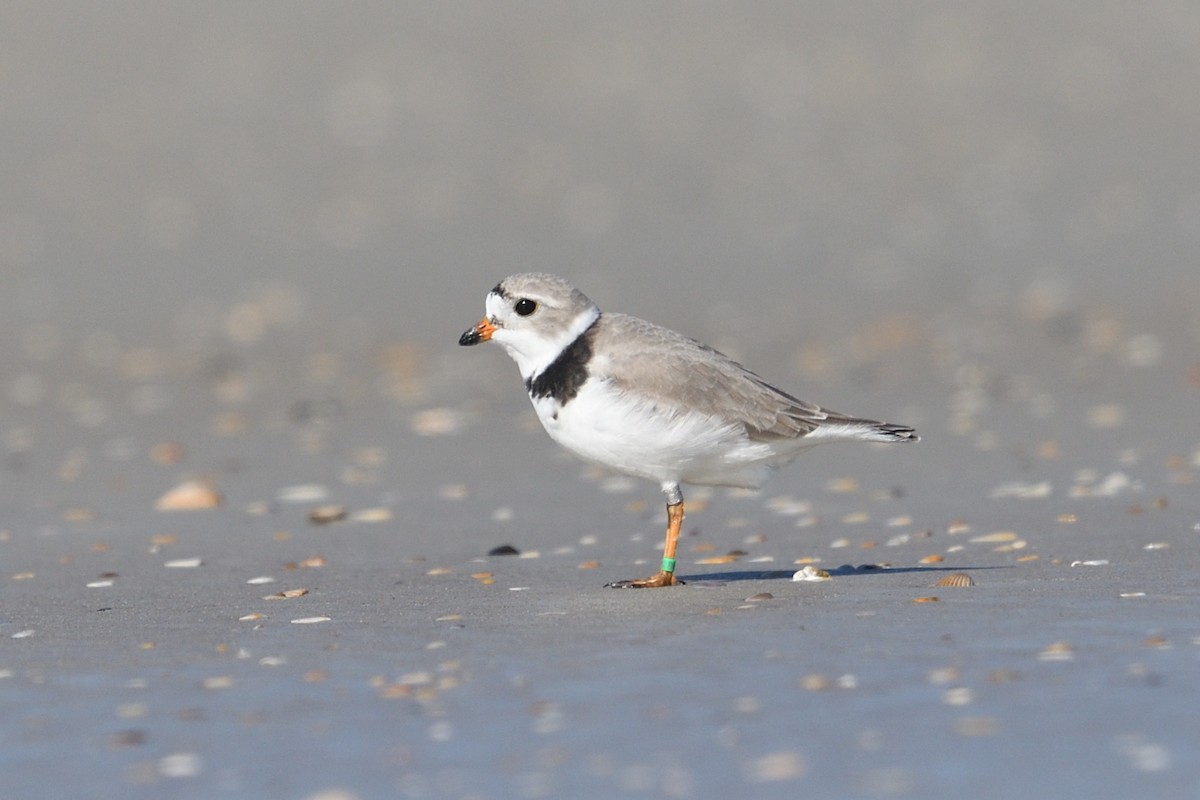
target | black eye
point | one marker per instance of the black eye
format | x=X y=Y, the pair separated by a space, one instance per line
x=525 y=307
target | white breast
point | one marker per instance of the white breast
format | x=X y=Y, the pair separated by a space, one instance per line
x=632 y=435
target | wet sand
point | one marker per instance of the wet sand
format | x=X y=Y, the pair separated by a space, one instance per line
x=237 y=250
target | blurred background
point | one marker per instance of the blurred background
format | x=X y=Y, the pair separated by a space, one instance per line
x=239 y=240
x=796 y=183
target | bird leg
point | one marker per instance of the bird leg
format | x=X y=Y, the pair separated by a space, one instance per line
x=666 y=575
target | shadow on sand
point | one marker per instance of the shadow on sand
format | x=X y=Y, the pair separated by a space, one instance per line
x=718 y=578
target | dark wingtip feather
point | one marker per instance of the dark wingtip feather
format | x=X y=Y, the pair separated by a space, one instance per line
x=896 y=433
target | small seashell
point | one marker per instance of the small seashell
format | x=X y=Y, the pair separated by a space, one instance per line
x=504 y=550
x=189 y=496
x=167 y=453
x=815 y=682
x=131 y=738
x=453 y=491
x=380 y=514
x=437 y=422
x=303 y=493
x=1021 y=491
x=957 y=579
x=1096 y=562
x=958 y=696
x=287 y=594
x=1109 y=415
x=810 y=573
x=309 y=620
x=180 y=765
x=325 y=514
x=774 y=767
x=787 y=505
x=1114 y=483
x=728 y=558
x=998 y=536
x=932 y=559
x=183 y=563
x=926 y=599
x=943 y=675
x=842 y=485
x=1059 y=651
x=760 y=597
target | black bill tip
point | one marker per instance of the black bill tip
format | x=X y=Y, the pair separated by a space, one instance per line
x=470 y=337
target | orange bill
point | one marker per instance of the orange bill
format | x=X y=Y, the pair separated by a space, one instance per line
x=482 y=331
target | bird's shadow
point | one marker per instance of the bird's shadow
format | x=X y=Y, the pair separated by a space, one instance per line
x=717 y=578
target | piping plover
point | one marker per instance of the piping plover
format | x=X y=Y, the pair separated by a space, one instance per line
x=649 y=402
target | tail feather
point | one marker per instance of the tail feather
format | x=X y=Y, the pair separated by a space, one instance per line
x=887 y=432
x=842 y=428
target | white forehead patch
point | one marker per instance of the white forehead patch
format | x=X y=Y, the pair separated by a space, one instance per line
x=494 y=305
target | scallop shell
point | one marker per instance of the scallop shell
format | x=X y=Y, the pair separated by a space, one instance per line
x=957 y=579
x=322 y=515
x=189 y=496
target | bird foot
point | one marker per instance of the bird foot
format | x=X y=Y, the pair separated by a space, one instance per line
x=653 y=582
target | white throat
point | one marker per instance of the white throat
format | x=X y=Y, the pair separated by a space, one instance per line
x=534 y=351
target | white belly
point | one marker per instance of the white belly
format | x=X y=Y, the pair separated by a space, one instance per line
x=667 y=445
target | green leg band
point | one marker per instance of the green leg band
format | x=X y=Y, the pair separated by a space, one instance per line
x=668 y=565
